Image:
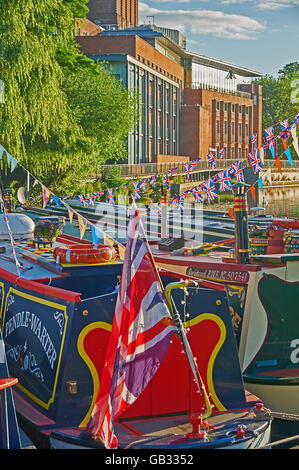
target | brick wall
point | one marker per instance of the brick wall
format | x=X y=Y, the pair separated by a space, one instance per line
x=123 y=13
x=135 y=47
x=85 y=27
x=199 y=115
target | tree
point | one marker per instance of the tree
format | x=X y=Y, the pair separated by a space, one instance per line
x=53 y=95
x=279 y=100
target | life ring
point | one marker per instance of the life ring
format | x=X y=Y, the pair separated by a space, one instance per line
x=76 y=254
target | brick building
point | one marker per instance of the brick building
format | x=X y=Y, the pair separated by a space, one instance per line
x=221 y=107
x=113 y=14
x=85 y=27
x=160 y=82
x=191 y=104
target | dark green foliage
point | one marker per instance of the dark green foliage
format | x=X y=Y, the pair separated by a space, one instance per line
x=280 y=99
x=63 y=114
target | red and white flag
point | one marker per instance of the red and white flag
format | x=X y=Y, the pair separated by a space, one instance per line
x=141 y=332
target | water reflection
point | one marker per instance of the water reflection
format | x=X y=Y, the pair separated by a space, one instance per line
x=277 y=201
x=282 y=201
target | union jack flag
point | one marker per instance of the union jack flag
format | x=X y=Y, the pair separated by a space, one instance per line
x=143 y=184
x=182 y=201
x=81 y=198
x=141 y=333
x=225 y=182
x=286 y=130
x=221 y=154
x=172 y=171
x=270 y=135
x=197 y=196
x=238 y=172
x=187 y=171
x=253 y=139
x=295 y=122
x=210 y=189
x=211 y=160
x=90 y=199
x=153 y=180
x=255 y=162
x=136 y=190
x=270 y=139
x=111 y=196
x=194 y=163
x=166 y=181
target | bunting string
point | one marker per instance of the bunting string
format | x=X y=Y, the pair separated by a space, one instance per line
x=223 y=178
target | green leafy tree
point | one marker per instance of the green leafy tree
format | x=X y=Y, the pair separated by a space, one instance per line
x=55 y=118
x=280 y=100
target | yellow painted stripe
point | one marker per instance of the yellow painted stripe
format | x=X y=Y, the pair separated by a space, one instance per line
x=221 y=325
x=90 y=364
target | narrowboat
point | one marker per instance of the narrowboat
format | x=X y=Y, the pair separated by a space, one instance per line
x=56 y=318
x=261 y=276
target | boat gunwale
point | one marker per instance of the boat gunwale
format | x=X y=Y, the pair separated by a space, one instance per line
x=36 y=286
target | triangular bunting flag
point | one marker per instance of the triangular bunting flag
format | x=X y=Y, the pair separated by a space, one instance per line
x=13 y=164
x=82 y=225
x=121 y=251
x=231 y=212
x=287 y=151
x=295 y=139
x=260 y=182
x=108 y=240
x=278 y=164
x=95 y=235
x=46 y=195
x=1 y=150
x=70 y=214
x=9 y=157
x=252 y=190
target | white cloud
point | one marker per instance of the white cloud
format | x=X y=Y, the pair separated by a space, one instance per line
x=204 y=22
x=266 y=4
x=167 y=1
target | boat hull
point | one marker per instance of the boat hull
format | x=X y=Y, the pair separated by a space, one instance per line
x=279 y=398
x=170 y=433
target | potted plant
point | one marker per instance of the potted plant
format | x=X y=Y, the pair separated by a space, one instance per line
x=46 y=231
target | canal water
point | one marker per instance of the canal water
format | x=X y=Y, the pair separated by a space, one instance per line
x=280 y=202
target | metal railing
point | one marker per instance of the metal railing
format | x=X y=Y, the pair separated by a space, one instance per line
x=147 y=169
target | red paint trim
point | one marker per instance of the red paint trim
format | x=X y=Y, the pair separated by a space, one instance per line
x=206 y=264
x=202 y=282
x=294 y=372
x=5 y=383
x=34 y=286
x=69 y=239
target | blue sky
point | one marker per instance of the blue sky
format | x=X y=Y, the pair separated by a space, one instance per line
x=262 y=35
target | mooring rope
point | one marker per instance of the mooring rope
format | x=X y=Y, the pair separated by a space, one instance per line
x=285 y=416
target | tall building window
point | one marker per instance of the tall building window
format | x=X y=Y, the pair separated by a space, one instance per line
x=217 y=130
x=225 y=130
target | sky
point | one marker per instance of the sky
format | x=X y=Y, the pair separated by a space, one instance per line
x=262 y=35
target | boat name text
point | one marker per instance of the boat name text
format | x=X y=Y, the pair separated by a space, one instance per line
x=30 y=320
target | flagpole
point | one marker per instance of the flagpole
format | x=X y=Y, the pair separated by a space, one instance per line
x=177 y=319
x=179 y=325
